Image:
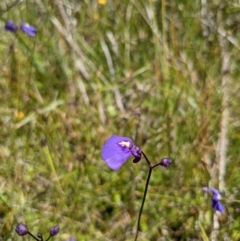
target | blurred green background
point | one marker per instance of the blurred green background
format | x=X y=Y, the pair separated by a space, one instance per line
x=164 y=73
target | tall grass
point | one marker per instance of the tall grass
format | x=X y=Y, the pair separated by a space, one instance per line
x=80 y=80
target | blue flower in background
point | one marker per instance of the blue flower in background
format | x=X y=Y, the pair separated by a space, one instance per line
x=216 y=204
x=28 y=29
x=117 y=149
x=71 y=239
x=11 y=26
x=25 y=27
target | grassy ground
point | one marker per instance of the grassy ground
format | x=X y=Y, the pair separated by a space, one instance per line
x=85 y=76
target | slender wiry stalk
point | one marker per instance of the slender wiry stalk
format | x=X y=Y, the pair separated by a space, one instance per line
x=156 y=165
x=144 y=195
x=33 y=236
x=48 y=238
x=148 y=162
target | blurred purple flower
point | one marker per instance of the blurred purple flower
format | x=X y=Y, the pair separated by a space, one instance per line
x=216 y=204
x=28 y=29
x=71 y=239
x=54 y=230
x=117 y=149
x=11 y=26
x=137 y=112
x=21 y=229
x=166 y=161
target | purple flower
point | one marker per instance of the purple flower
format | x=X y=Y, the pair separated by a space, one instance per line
x=21 y=229
x=54 y=230
x=216 y=204
x=28 y=29
x=11 y=26
x=166 y=161
x=117 y=149
x=71 y=239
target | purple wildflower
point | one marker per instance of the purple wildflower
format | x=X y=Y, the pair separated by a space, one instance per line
x=117 y=149
x=28 y=29
x=216 y=204
x=21 y=229
x=11 y=26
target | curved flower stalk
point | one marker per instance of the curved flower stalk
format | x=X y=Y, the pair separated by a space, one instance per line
x=117 y=150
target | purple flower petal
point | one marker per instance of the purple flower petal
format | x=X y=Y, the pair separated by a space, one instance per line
x=28 y=29
x=212 y=190
x=136 y=152
x=216 y=204
x=116 y=150
x=11 y=26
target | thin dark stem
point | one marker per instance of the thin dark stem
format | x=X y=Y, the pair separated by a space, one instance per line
x=148 y=162
x=48 y=238
x=41 y=238
x=144 y=197
x=33 y=236
x=156 y=165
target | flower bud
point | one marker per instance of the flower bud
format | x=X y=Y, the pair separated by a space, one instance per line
x=136 y=159
x=166 y=161
x=21 y=229
x=54 y=230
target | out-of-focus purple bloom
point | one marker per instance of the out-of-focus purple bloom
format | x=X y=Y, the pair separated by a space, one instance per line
x=166 y=161
x=11 y=26
x=54 y=230
x=71 y=239
x=117 y=149
x=28 y=29
x=137 y=112
x=21 y=229
x=216 y=204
